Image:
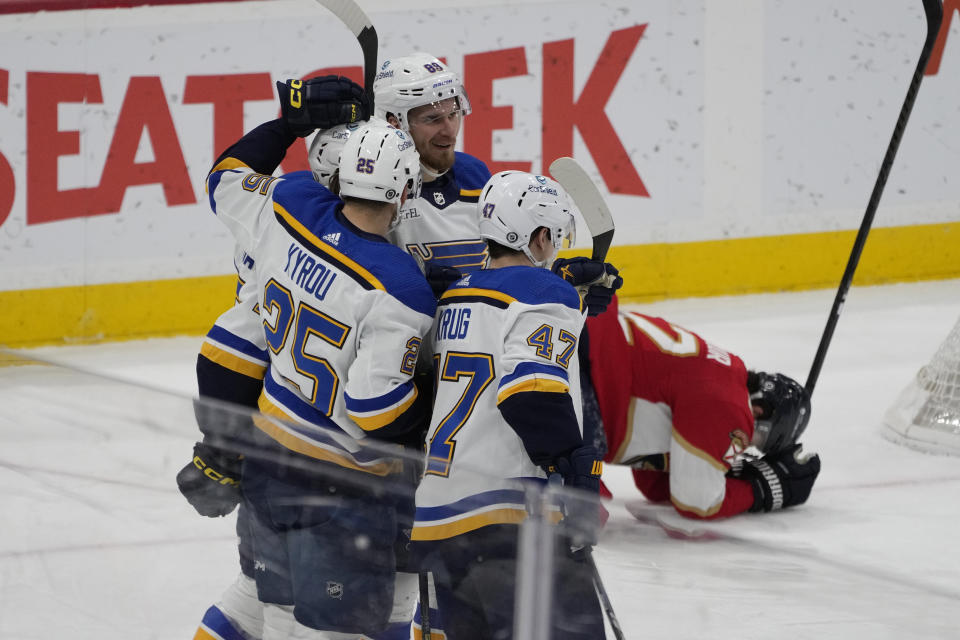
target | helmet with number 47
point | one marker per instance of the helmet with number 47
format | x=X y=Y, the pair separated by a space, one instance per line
x=379 y=162
x=514 y=204
x=412 y=81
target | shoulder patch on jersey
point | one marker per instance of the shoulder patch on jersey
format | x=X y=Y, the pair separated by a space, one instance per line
x=471 y=173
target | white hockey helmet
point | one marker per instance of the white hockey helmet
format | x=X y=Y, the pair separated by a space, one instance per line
x=378 y=162
x=514 y=204
x=324 y=154
x=412 y=81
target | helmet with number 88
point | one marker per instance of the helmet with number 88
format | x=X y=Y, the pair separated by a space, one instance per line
x=324 y=154
x=379 y=162
x=413 y=81
x=514 y=204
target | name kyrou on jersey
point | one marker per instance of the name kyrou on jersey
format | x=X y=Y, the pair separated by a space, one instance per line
x=312 y=276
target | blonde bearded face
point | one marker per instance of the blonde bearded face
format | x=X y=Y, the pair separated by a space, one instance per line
x=434 y=129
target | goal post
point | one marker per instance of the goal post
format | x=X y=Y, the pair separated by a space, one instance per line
x=926 y=414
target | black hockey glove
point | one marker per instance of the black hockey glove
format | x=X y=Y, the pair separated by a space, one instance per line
x=595 y=281
x=440 y=278
x=321 y=103
x=782 y=479
x=211 y=481
x=580 y=470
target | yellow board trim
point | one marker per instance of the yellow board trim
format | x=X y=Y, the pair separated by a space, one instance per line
x=189 y=306
x=784 y=263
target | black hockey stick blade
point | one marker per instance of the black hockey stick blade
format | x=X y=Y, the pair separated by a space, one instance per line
x=934 y=13
x=576 y=181
x=425 y=628
x=604 y=598
x=350 y=14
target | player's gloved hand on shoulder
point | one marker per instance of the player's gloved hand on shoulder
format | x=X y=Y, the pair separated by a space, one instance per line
x=440 y=277
x=781 y=479
x=582 y=510
x=211 y=481
x=321 y=103
x=595 y=281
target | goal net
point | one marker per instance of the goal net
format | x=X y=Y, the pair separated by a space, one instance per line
x=926 y=415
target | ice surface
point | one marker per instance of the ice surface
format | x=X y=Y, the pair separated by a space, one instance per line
x=97 y=543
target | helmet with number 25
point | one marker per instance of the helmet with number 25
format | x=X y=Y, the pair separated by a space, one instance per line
x=379 y=162
x=514 y=204
x=412 y=81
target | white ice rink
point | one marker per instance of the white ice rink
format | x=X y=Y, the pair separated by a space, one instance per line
x=97 y=543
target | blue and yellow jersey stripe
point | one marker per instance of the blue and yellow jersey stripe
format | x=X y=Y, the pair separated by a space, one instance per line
x=233 y=352
x=533 y=376
x=374 y=413
x=491 y=297
x=499 y=506
x=320 y=437
x=303 y=235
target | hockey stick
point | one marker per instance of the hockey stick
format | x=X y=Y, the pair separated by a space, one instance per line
x=604 y=598
x=934 y=12
x=424 y=606
x=351 y=15
x=575 y=180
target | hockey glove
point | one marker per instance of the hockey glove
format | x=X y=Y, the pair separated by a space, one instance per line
x=782 y=479
x=211 y=481
x=321 y=103
x=580 y=470
x=440 y=277
x=595 y=281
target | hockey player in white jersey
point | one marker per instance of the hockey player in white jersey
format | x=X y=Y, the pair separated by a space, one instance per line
x=335 y=263
x=230 y=366
x=421 y=95
x=507 y=409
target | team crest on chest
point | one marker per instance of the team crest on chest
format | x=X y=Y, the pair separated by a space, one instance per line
x=439 y=199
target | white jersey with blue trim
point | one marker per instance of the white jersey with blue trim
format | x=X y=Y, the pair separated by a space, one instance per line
x=342 y=312
x=236 y=340
x=496 y=333
x=441 y=226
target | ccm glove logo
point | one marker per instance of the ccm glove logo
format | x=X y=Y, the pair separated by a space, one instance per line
x=212 y=474
x=296 y=97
